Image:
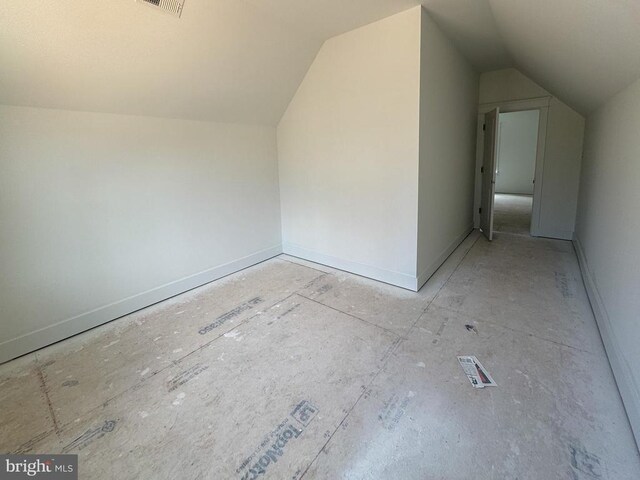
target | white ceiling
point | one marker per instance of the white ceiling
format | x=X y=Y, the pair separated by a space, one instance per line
x=223 y=60
x=582 y=51
x=242 y=60
x=327 y=18
x=471 y=25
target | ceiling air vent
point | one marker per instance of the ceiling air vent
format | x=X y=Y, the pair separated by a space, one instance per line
x=174 y=7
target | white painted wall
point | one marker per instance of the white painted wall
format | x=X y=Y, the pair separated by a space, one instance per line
x=517 y=152
x=607 y=233
x=562 y=155
x=562 y=165
x=348 y=153
x=104 y=214
x=506 y=85
x=448 y=106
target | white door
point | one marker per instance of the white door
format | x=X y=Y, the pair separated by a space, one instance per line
x=491 y=133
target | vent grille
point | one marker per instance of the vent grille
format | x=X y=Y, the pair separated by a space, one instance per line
x=174 y=7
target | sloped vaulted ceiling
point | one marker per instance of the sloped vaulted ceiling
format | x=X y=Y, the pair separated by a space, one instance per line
x=223 y=60
x=242 y=60
x=583 y=51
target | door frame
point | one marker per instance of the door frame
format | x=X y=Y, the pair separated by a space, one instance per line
x=491 y=129
x=538 y=103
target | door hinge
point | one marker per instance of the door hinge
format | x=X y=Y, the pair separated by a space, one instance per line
x=481 y=169
x=484 y=127
x=480 y=210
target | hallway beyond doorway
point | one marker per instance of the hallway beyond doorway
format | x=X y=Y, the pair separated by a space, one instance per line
x=512 y=213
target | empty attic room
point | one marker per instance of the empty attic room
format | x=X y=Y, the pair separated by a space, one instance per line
x=283 y=239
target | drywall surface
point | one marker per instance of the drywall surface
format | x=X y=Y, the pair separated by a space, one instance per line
x=561 y=178
x=508 y=84
x=348 y=153
x=517 y=152
x=222 y=60
x=448 y=106
x=103 y=214
x=607 y=233
x=562 y=154
x=582 y=51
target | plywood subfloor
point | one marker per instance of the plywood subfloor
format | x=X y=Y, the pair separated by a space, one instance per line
x=294 y=370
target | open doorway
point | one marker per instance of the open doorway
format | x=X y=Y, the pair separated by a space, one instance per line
x=513 y=216
x=515 y=171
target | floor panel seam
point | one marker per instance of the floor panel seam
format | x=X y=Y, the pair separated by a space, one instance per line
x=45 y=392
x=305 y=266
x=349 y=314
x=460 y=312
x=173 y=363
x=365 y=390
x=444 y=284
x=388 y=356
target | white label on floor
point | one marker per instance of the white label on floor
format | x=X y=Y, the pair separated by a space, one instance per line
x=476 y=373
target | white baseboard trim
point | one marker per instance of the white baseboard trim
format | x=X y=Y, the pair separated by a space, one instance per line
x=555 y=234
x=29 y=342
x=518 y=194
x=387 y=276
x=437 y=263
x=622 y=371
